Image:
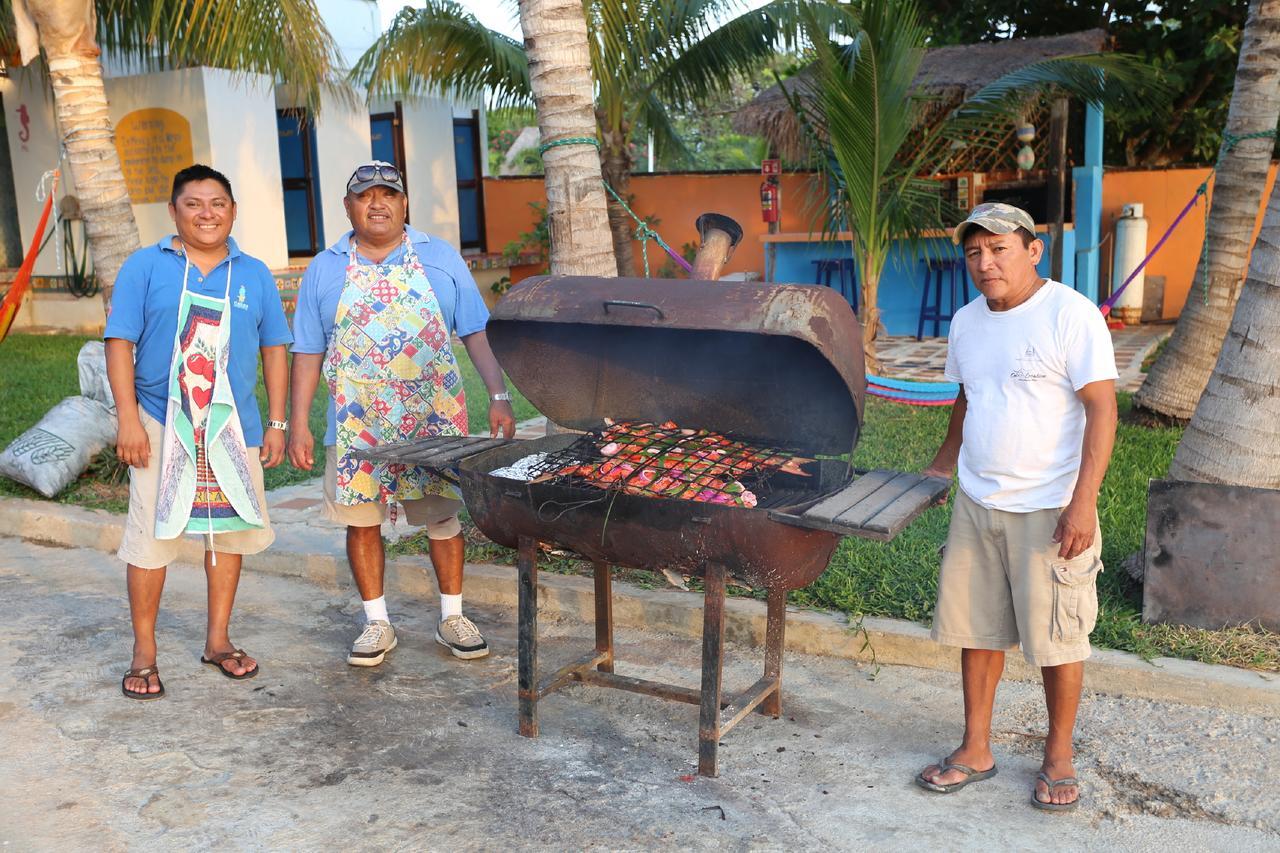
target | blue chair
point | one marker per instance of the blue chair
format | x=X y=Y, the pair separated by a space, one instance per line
x=935 y=270
x=846 y=273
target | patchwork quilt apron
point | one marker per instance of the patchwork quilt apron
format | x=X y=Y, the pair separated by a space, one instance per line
x=393 y=377
x=205 y=484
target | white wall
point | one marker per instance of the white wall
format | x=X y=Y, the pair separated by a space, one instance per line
x=24 y=90
x=429 y=166
x=244 y=145
x=233 y=129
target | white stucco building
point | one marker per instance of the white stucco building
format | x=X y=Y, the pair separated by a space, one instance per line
x=288 y=168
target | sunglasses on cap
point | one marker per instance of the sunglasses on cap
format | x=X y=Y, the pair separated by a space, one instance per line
x=373 y=171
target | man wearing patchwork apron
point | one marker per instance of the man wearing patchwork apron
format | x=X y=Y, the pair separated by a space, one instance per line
x=376 y=313
x=188 y=320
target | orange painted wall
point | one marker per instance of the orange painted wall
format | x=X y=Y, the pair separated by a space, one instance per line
x=676 y=200
x=1163 y=194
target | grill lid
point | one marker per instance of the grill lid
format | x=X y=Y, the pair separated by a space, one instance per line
x=776 y=364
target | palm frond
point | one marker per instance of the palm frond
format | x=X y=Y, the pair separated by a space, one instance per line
x=653 y=115
x=286 y=39
x=442 y=49
x=709 y=57
x=867 y=110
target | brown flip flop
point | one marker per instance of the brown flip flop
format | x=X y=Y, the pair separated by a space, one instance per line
x=218 y=659
x=1051 y=784
x=145 y=674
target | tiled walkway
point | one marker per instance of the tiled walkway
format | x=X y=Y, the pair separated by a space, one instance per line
x=907 y=358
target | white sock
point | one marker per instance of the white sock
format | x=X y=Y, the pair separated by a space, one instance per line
x=450 y=605
x=376 y=609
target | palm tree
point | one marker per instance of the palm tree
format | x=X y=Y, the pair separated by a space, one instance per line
x=1179 y=375
x=560 y=77
x=875 y=133
x=283 y=38
x=1234 y=434
x=647 y=56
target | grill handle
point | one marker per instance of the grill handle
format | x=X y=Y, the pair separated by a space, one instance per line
x=626 y=303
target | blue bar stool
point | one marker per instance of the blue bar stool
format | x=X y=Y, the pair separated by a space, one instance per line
x=935 y=269
x=847 y=277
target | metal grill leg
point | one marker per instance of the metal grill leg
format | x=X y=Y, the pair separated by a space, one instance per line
x=712 y=658
x=527 y=668
x=604 y=615
x=774 y=640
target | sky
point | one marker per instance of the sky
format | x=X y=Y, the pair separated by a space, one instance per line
x=497 y=15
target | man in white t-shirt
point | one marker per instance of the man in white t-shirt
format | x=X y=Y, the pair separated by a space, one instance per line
x=1030 y=435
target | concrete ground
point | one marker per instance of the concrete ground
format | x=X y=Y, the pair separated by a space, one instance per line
x=422 y=753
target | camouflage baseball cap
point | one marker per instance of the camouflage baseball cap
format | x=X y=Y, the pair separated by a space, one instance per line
x=994 y=217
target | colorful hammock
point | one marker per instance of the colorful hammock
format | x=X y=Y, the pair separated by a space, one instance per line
x=22 y=281
x=913 y=393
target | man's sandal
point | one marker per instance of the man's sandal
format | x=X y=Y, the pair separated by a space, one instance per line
x=970 y=776
x=217 y=660
x=1051 y=784
x=145 y=674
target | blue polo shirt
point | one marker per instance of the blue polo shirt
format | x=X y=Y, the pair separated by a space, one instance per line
x=144 y=310
x=461 y=305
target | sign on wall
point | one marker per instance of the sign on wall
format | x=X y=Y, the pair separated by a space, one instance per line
x=154 y=144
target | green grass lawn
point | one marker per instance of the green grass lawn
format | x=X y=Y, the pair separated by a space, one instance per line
x=898 y=579
x=36 y=371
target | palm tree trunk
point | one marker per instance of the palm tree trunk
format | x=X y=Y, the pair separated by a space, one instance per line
x=869 y=314
x=555 y=38
x=1234 y=435
x=80 y=104
x=615 y=164
x=1179 y=376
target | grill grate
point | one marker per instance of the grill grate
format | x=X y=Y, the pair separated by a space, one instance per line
x=668 y=462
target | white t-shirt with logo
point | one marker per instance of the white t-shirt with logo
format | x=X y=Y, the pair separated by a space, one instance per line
x=1021 y=369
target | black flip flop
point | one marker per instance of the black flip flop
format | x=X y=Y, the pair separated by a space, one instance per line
x=1055 y=807
x=145 y=674
x=970 y=776
x=217 y=660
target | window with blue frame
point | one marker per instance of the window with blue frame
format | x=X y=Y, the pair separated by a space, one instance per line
x=303 y=222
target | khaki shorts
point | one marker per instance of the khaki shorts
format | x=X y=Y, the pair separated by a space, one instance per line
x=438 y=514
x=141 y=548
x=1002 y=584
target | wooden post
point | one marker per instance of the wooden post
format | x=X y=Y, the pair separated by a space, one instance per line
x=1058 y=185
x=712 y=658
x=527 y=643
x=774 y=640
x=604 y=614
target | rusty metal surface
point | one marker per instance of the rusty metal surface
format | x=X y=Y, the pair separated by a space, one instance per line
x=1212 y=555
x=643 y=532
x=777 y=364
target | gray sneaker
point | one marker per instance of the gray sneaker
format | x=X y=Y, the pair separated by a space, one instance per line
x=372 y=645
x=461 y=636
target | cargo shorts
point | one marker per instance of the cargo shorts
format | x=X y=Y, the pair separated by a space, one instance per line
x=1002 y=584
x=436 y=513
x=139 y=545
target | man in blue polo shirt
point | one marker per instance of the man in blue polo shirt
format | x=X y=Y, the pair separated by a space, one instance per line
x=189 y=318
x=376 y=314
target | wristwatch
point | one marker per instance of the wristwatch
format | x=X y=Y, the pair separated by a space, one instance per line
x=280 y=425
x=504 y=397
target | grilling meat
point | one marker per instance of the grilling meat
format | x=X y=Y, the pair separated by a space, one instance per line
x=663 y=460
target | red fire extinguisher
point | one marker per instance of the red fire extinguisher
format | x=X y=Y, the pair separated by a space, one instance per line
x=769 y=200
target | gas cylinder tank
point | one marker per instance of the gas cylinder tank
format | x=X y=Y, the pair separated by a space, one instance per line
x=1131 y=248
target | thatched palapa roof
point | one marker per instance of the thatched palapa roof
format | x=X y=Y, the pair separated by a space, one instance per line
x=949 y=72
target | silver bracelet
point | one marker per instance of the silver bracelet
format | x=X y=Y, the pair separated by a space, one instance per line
x=280 y=425
x=504 y=397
